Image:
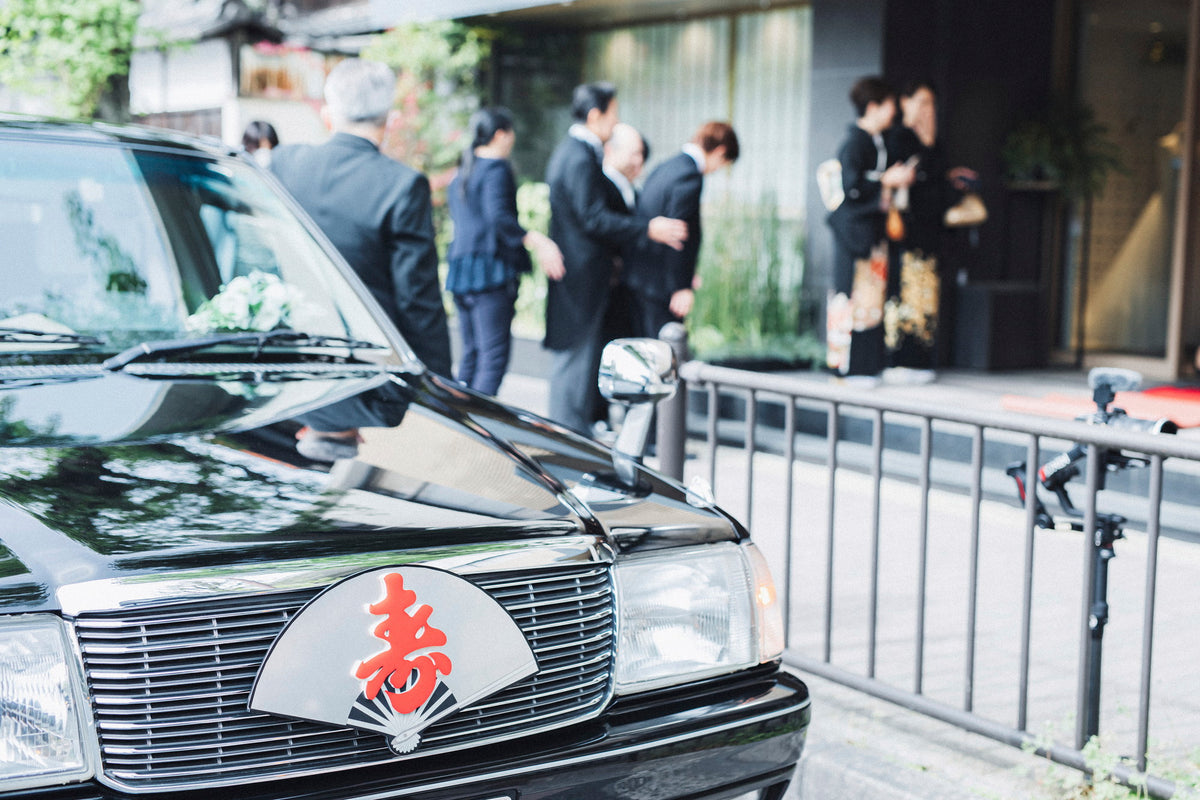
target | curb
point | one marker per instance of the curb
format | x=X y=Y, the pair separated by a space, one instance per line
x=859 y=746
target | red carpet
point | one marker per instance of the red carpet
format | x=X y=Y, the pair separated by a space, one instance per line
x=1189 y=394
x=1180 y=404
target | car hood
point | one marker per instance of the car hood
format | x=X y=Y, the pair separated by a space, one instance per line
x=119 y=476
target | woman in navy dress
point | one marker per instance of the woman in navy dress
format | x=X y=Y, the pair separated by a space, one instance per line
x=488 y=252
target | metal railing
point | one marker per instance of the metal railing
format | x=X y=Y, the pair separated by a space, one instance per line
x=830 y=412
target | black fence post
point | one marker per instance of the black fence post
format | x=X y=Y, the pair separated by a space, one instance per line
x=672 y=414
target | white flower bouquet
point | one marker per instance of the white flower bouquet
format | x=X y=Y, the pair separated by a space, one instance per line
x=259 y=301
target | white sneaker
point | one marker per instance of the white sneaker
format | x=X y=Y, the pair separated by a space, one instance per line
x=907 y=376
x=861 y=381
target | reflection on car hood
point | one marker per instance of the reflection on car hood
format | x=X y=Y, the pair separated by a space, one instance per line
x=73 y=405
x=429 y=464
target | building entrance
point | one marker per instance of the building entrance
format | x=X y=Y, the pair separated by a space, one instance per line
x=1132 y=74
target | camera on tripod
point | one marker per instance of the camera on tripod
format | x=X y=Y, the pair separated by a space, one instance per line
x=1109 y=527
x=1104 y=382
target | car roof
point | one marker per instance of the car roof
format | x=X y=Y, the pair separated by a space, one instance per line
x=22 y=126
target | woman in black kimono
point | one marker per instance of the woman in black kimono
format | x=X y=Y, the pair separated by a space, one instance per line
x=870 y=176
x=914 y=282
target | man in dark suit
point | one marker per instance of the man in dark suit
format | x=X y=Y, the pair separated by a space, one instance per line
x=659 y=278
x=375 y=210
x=625 y=155
x=590 y=234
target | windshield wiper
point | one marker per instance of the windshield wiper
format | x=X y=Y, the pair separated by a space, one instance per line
x=46 y=337
x=258 y=340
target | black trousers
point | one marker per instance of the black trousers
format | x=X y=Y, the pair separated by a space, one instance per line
x=650 y=314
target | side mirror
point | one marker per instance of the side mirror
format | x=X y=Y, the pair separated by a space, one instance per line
x=636 y=373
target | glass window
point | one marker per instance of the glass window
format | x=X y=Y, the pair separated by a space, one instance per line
x=130 y=245
x=83 y=247
x=1132 y=75
x=752 y=69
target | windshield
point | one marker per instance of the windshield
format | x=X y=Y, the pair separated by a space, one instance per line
x=129 y=245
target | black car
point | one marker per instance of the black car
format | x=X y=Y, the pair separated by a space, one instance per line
x=250 y=547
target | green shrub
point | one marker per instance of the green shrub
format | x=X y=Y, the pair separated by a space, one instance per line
x=749 y=303
x=437 y=68
x=73 y=52
x=533 y=209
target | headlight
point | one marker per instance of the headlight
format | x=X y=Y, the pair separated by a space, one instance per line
x=692 y=613
x=41 y=706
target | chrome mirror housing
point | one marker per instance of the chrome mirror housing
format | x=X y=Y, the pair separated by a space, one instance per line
x=636 y=373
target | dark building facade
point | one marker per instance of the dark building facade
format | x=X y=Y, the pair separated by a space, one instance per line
x=1051 y=278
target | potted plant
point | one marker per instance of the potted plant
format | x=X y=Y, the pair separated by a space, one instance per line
x=1070 y=152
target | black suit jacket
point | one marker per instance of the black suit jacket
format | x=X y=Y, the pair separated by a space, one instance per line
x=858 y=222
x=377 y=212
x=930 y=194
x=590 y=234
x=673 y=190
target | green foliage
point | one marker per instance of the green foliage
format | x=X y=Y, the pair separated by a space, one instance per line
x=1070 y=148
x=1184 y=773
x=1102 y=763
x=749 y=303
x=1099 y=781
x=1028 y=153
x=437 y=65
x=533 y=210
x=69 y=50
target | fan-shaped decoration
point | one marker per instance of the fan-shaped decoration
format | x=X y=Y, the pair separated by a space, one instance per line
x=392 y=650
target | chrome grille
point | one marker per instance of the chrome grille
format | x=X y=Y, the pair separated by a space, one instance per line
x=170 y=684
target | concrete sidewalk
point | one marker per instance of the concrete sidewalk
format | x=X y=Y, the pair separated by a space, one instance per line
x=859 y=746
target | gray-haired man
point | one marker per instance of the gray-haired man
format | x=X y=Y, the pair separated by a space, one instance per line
x=375 y=210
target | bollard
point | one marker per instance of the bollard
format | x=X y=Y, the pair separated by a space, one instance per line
x=671 y=434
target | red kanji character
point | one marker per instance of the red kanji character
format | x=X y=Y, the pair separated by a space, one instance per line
x=405 y=633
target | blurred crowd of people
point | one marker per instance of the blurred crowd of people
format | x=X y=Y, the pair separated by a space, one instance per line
x=620 y=261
